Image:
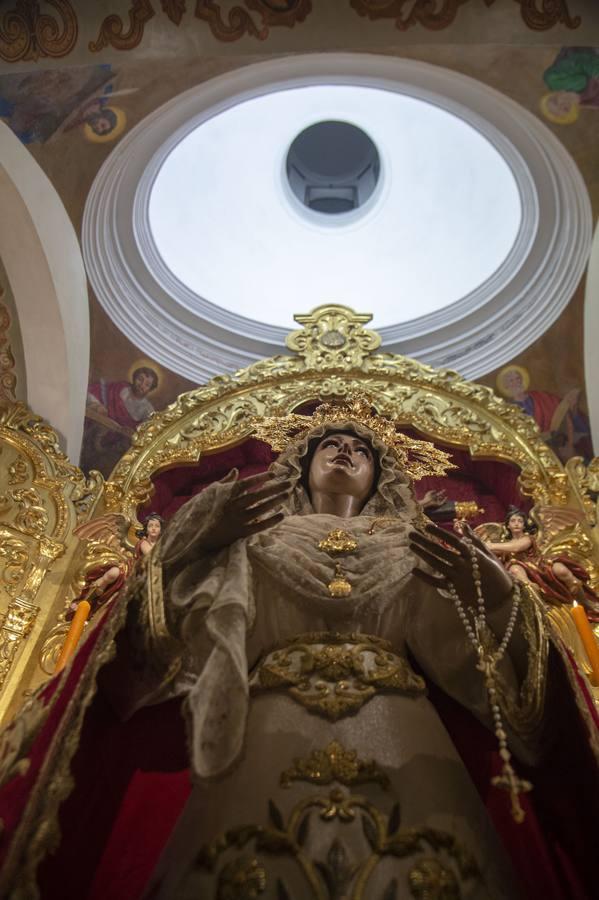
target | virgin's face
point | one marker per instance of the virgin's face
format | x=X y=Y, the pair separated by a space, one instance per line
x=342 y=464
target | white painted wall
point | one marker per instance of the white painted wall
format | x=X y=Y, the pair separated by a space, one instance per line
x=41 y=254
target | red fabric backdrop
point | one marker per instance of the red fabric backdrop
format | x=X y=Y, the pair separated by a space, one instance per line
x=494 y=485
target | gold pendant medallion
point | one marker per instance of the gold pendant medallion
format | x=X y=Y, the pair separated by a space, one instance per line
x=339 y=587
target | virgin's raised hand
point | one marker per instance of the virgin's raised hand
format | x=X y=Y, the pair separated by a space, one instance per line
x=452 y=564
x=251 y=508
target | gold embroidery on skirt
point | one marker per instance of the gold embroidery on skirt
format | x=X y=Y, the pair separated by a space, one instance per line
x=342 y=869
x=334 y=763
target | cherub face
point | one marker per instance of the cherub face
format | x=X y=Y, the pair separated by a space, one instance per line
x=153 y=528
x=516 y=523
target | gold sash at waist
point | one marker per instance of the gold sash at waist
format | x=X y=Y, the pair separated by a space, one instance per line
x=334 y=675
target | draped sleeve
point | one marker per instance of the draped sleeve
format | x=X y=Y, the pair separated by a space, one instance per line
x=189 y=612
x=437 y=639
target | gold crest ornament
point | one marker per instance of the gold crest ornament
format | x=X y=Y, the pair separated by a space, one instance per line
x=417 y=458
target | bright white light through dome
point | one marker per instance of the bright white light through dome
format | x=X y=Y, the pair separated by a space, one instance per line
x=444 y=217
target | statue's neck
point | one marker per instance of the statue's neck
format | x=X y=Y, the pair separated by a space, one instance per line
x=342 y=505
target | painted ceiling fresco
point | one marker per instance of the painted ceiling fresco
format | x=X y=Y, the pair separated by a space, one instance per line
x=71 y=117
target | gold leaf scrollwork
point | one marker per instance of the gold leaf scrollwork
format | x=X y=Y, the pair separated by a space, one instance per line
x=52 y=646
x=8 y=379
x=27 y=33
x=17 y=623
x=334 y=763
x=239 y=19
x=32 y=517
x=112 y=29
x=333 y=337
x=17 y=471
x=16 y=557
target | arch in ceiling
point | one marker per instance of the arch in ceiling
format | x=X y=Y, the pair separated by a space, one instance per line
x=475 y=335
x=42 y=258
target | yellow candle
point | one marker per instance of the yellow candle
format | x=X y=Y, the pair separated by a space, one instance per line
x=588 y=639
x=73 y=635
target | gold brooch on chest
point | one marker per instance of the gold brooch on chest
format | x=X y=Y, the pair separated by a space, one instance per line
x=337 y=542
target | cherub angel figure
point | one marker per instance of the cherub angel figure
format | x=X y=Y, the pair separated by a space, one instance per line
x=535 y=556
x=113 y=561
x=117 y=557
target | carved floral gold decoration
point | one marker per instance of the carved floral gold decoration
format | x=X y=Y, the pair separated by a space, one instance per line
x=41 y=497
x=342 y=868
x=8 y=379
x=334 y=763
x=254 y=18
x=30 y=30
x=113 y=32
x=334 y=675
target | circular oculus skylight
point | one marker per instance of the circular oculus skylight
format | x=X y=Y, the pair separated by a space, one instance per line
x=333 y=168
x=472 y=242
x=441 y=213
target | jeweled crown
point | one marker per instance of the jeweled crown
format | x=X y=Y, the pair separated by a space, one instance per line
x=417 y=458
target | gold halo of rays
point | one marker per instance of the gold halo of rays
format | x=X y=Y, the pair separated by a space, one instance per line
x=121 y=124
x=500 y=380
x=145 y=363
x=417 y=458
x=558 y=118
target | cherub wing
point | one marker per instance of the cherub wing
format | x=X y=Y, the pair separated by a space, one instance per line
x=554 y=522
x=490 y=531
x=102 y=528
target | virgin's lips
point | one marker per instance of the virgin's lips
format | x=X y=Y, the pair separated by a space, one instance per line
x=341 y=457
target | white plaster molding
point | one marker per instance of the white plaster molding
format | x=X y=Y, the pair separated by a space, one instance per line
x=43 y=262
x=476 y=334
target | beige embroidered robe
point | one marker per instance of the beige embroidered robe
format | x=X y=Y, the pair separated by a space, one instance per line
x=320 y=767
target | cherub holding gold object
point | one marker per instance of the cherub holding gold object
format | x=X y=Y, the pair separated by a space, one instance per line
x=559 y=578
x=113 y=556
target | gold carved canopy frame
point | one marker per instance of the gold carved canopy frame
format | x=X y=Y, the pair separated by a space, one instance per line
x=43 y=497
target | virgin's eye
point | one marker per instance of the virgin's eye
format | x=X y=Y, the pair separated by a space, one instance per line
x=330 y=442
x=362 y=450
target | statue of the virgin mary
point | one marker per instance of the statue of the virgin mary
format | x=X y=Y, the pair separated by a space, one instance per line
x=302 y=613
x=345 y=668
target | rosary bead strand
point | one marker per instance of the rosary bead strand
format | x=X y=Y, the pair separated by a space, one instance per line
x=487 y=664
